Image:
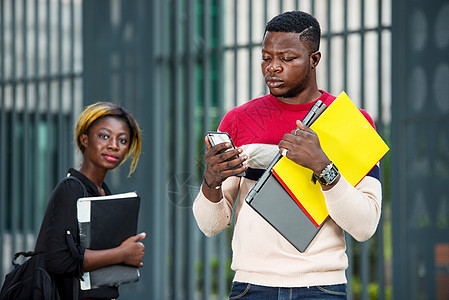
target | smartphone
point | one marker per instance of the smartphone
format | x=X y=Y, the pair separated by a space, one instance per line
x=216 y=138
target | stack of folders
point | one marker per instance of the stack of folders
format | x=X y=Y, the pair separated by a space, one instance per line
x=104 y=223
x=290 y=201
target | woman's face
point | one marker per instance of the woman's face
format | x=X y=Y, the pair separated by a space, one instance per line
x=106 y=143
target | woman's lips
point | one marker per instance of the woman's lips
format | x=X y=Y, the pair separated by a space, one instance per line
x=111 y=158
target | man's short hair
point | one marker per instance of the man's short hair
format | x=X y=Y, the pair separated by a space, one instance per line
x=299 y=22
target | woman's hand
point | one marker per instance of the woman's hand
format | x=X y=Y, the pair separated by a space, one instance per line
x=130 y=252
x=133 y=250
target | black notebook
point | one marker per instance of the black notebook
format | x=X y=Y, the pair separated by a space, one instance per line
x=104 y=223
x=270 y=200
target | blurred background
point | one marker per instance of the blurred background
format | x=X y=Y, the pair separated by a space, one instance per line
x=179 y=66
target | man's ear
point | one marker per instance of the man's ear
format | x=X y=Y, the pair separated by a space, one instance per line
x=315 y=59
x=84 y=139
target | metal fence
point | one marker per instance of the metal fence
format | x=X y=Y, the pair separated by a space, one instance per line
x=178 y=66
x=40 y=81
x=420 y=140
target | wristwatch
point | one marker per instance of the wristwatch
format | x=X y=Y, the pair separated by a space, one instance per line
x=327 y=176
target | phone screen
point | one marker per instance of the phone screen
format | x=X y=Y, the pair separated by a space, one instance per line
x=216 y=138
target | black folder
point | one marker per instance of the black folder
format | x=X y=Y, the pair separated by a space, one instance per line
x=104 y=223
x=270 y=200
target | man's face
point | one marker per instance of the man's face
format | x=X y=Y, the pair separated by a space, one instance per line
x=286 y=64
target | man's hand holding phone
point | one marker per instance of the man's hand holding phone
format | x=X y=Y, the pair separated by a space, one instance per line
x=223 y=160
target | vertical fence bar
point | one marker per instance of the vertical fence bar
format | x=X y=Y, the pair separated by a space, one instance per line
x=236 y=49
x=206 y=67
x=192 y=249
x=364 y=259
x=223 y=242
x=71 y=70
x=345 y=44
x=2 y=137
x=329 y=46
x=166 y=93
x=348 y=238
x=220 y=58
x=380 y=129
x=61 y=128
x=265 y=21
x=48 y=116
x=312 y=7
x=250 y=48
x=36 y=117
x=265 y=12
x=164 y=112
x=380 y=123
x=26 y=211
x=364 y=268
x=362 y=53
x=177 y=167
x=158 y=283
x=15 y=197
x=118 y=47
x=380 y=259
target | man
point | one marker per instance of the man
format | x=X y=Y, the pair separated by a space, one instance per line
x=266 y=265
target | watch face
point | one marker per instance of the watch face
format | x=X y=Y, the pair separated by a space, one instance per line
x=332 y=174
x=329 y=175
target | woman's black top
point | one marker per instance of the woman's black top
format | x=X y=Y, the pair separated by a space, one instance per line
x=64 y=257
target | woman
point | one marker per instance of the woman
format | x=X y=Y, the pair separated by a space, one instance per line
x=106 y=135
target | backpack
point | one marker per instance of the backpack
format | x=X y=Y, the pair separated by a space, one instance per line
x=29 y=280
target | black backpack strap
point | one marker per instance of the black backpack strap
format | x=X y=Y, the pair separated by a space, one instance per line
x=24 y=254
x=79 y=182
x=76 y=282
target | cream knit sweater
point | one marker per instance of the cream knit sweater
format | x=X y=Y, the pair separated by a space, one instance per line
x=262 y=256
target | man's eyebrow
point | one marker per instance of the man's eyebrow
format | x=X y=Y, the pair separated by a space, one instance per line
x=282 y=51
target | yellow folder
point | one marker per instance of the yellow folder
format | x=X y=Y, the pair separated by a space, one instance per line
x=349 y=141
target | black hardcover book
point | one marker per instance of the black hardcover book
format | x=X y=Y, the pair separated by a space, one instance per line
x=104 y=223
